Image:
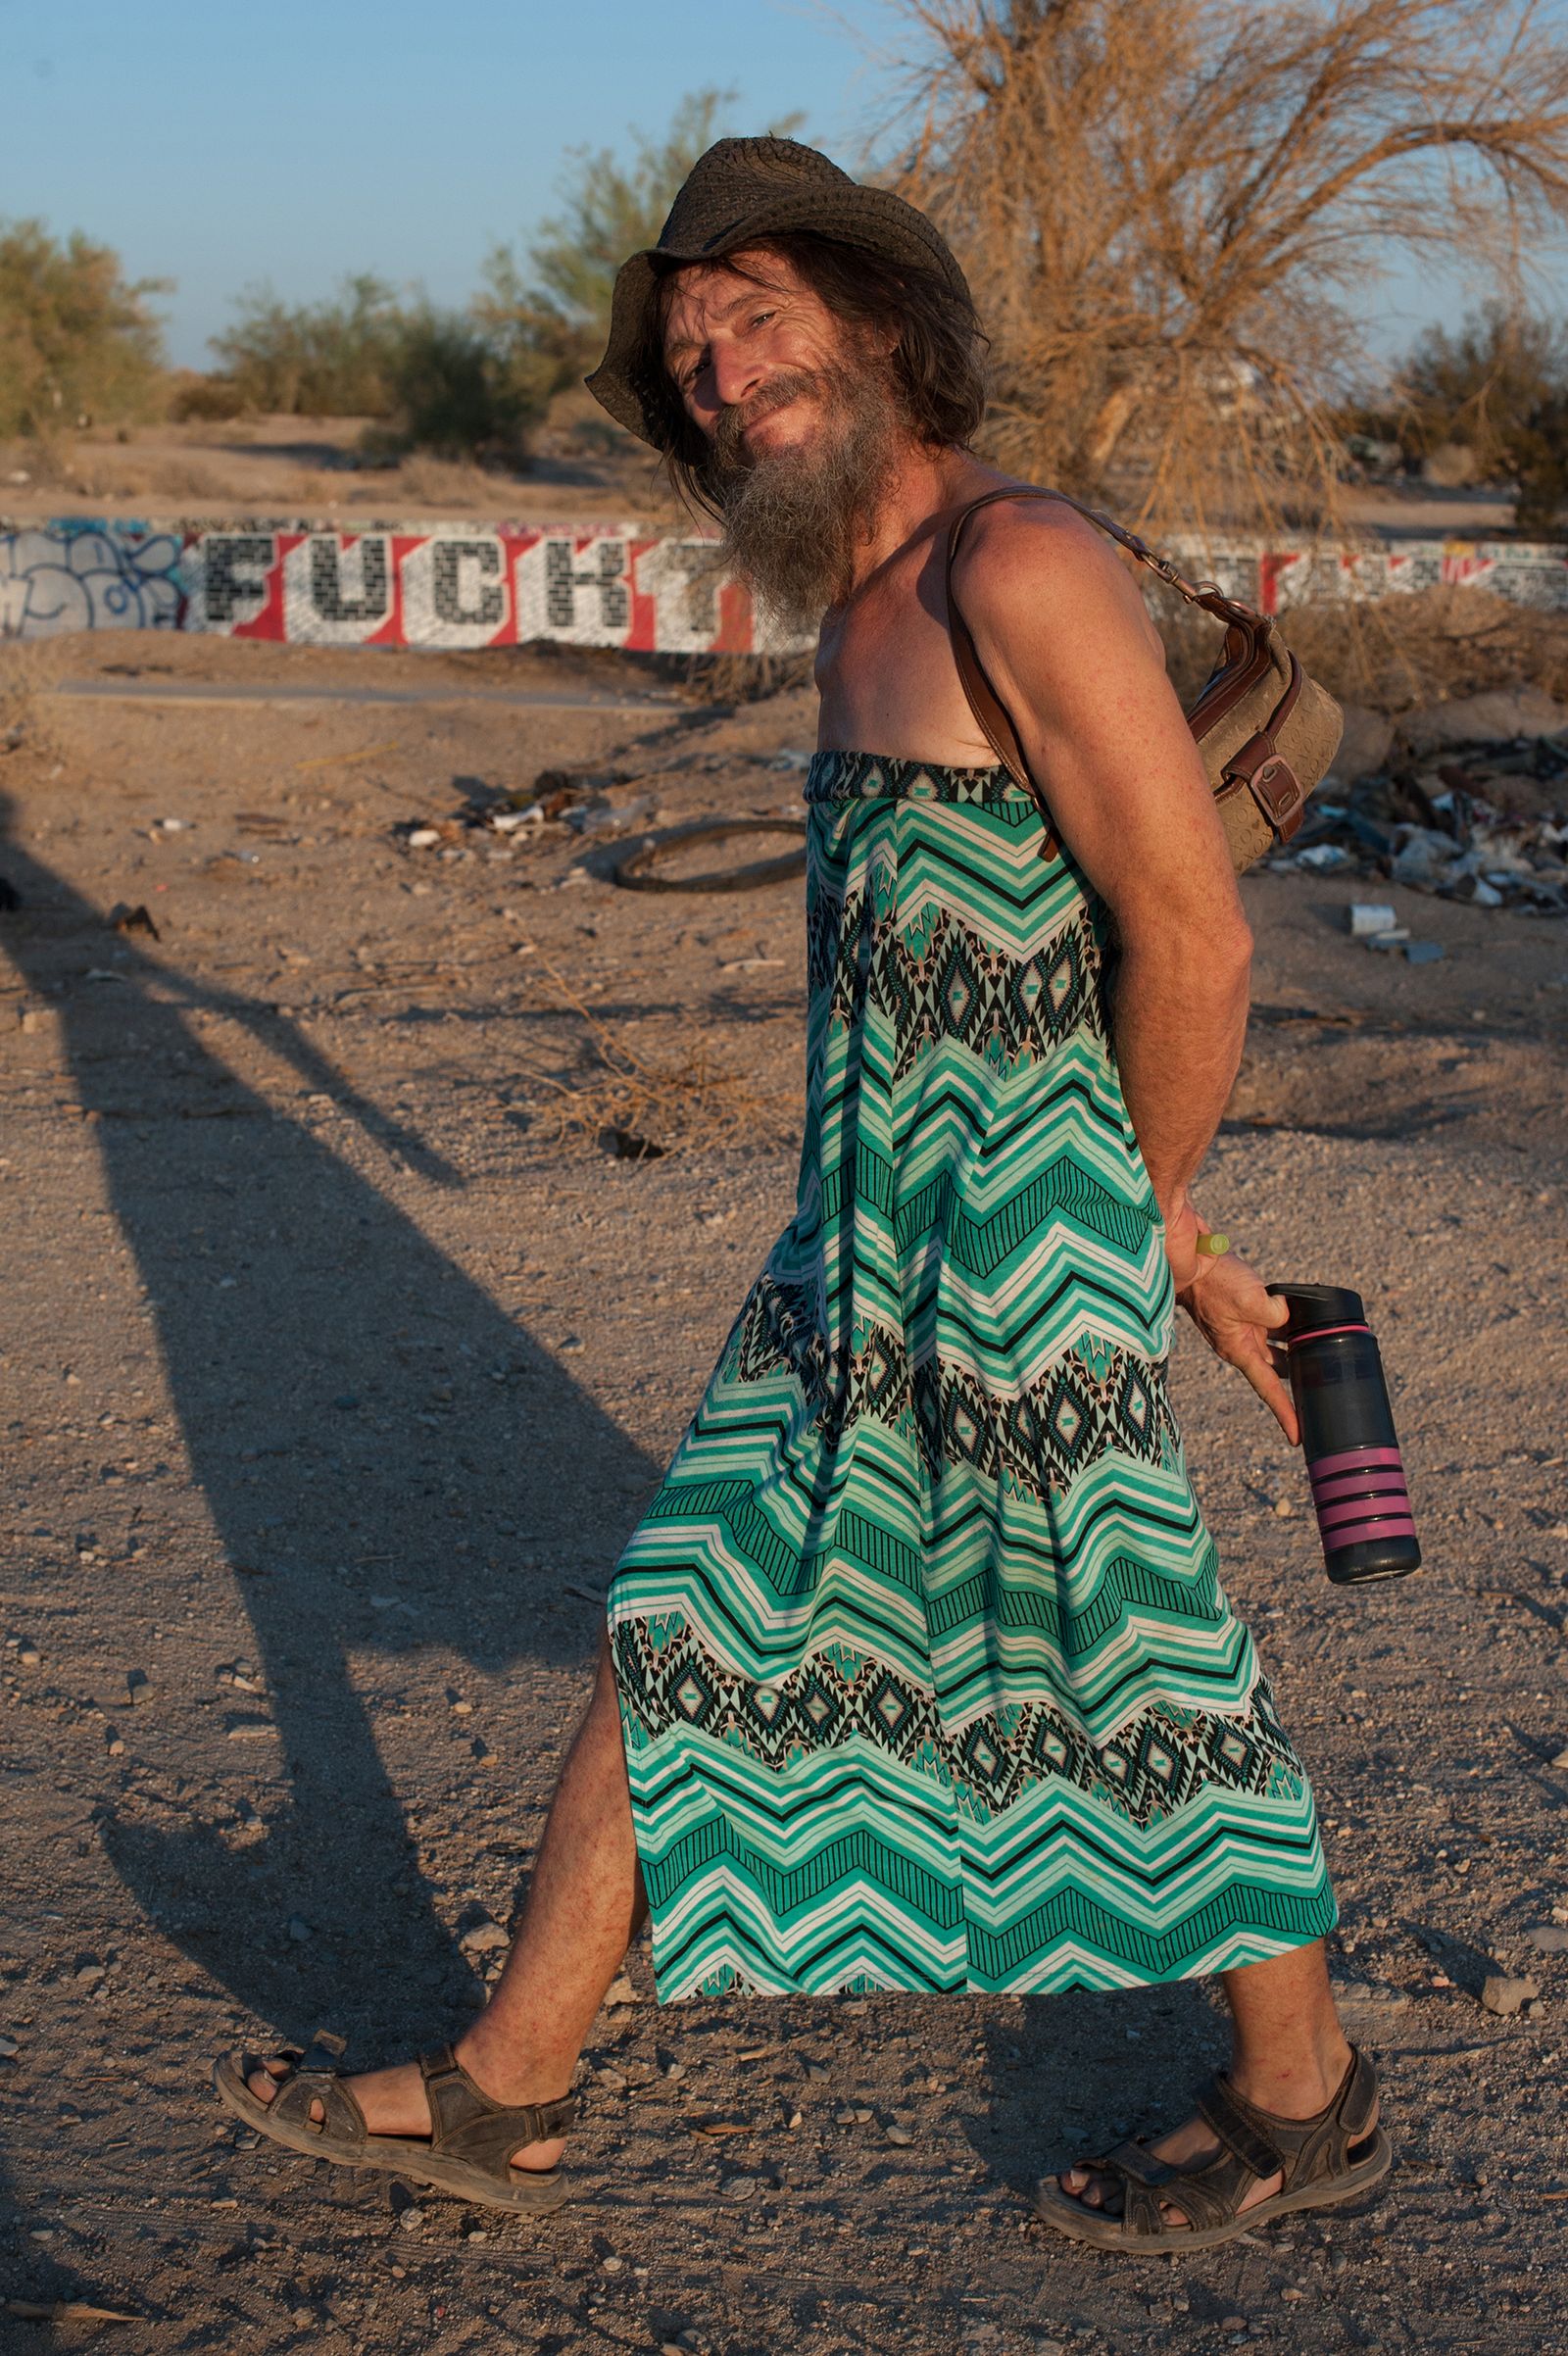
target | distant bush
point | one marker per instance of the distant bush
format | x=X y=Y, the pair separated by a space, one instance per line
x=319 y=359
x=194 y=397
x=431 y=379
x=453 y=393
x=77 y=337
x=1497 y=390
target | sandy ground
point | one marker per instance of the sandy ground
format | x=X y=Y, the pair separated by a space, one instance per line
x=332 y=1387
x=583 y=466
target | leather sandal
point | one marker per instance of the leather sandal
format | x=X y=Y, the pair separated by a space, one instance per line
x=468 y=2151
x=1325 y=2159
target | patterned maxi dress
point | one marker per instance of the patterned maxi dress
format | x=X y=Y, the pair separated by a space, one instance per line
x=925 y=1675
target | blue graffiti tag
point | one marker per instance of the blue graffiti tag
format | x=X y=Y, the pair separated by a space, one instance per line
x=89 y=576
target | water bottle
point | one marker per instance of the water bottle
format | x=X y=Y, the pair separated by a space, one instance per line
x=1353 y=1455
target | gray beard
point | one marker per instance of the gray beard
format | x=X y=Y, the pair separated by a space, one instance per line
x=795 y=518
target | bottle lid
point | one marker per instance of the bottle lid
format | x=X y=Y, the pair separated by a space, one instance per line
x=1314 y=1306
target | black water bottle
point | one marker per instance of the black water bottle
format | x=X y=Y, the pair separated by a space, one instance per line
x=1353 y=1455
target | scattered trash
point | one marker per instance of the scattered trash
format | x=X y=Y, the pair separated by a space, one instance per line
x=127 y=919
x=1423 y=953
x=575 y=800
x=1471 y=817
x=1369 y=917
x=1506 y=1996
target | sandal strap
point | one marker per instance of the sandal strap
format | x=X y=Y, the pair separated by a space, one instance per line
x=342 y=2117
x=1209 y=2194
x=465 y=2124
x=1240 y=2129
x=1308 y=2150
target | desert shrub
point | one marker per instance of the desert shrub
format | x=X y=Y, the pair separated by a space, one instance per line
x=1499 y=388
x=195 y=398
x=1170 y=211
x=452 y=393
x=77 y=338
x=315 y=359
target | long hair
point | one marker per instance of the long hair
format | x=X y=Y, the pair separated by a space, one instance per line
x=936 y=364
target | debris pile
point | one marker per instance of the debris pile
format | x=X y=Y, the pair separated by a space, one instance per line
x=559 y=801
x=1486 y=824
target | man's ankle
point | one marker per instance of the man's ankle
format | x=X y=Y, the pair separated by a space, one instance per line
x=508 y=2078
x=1297 y=2087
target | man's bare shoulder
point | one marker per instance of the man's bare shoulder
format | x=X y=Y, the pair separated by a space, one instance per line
x=1035 y=536
x=1039 y=557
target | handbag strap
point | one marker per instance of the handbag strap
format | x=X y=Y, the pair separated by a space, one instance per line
x=984 y=702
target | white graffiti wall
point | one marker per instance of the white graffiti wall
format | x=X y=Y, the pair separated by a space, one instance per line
x=505 y=584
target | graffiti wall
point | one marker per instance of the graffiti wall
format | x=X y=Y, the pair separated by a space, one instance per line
x=506 y=584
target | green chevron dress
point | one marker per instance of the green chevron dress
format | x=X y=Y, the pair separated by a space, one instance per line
x=925 y=1675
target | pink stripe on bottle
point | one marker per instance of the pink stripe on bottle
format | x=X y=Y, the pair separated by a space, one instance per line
x=1357 y=1534
x=1362 y=1510
x=1358 y=1491
x=1368 y=1476
x=1352 y=1458
x=1350 y=1509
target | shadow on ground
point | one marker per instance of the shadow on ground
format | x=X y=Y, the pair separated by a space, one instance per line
x=306 y=1329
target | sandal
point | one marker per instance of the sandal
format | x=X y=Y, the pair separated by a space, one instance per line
x=1324 y=2160
x=468 y=2151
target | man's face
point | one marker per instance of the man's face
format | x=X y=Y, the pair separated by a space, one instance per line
x=806 y=425
x=748 y=354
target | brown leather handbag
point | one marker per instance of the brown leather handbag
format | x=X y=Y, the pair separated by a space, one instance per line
x=1265 y=732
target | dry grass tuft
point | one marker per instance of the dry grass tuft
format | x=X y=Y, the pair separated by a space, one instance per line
x=679 y=1103
x=21 y=726
x=1392 y=653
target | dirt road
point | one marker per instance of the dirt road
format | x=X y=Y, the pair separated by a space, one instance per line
x=332 y=1383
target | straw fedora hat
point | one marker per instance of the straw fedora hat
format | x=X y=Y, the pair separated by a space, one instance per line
x=739 y=191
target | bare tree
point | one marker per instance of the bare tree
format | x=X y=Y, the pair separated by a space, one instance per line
x=1165 y=208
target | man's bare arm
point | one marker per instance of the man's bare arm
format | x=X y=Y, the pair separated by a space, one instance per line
x=1068 y=644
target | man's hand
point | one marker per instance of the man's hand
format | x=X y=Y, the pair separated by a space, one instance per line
x=1227 y=1302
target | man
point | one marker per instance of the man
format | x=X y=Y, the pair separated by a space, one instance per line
x=918 y=1672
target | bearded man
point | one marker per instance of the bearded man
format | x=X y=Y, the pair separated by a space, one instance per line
x=917 y=1673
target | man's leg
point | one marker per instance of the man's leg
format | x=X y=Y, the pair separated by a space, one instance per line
x=585 y=1901
x=1289 y=2054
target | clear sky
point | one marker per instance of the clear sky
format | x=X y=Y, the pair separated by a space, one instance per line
x=230 y=141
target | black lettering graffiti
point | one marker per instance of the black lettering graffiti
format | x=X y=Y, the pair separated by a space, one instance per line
x=326 y=582
x=489 y=610
x=607 y=576
x=234 y=569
